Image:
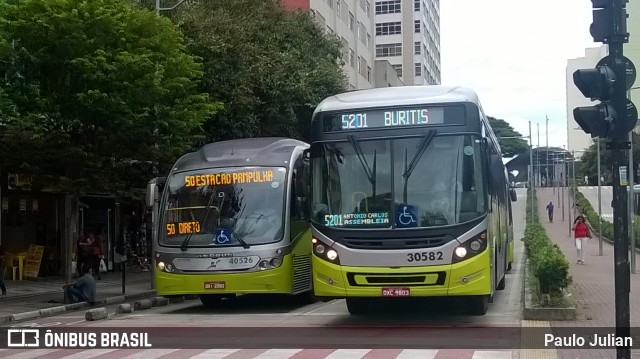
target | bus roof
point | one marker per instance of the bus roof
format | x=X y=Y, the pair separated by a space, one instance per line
x=261 y=151
x=397 y=96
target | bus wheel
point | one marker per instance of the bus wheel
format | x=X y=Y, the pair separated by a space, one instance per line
x=358 y=306
x=211 y=300
x=307 y=297
x=478 y=305
x=502 y=283
x=509 y=266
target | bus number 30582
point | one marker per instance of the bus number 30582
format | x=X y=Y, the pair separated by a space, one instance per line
x=424 y=256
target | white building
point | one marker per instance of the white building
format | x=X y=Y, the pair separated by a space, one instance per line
x=407 y=34
x=352 y=21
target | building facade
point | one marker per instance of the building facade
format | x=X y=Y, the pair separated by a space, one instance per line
x=407 y=34
x=353 y=22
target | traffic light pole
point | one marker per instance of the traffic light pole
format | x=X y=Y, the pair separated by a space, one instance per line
x=619 y=147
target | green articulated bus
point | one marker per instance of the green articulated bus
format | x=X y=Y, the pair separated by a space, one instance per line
x=232 y=218
x=410 y=198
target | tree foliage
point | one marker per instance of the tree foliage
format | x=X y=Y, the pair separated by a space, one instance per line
x=510 y=146
x=269 y=66
x=588 y=164
x=96 y=92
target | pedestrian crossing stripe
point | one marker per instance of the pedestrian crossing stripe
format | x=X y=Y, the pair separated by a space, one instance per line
x=256 y=353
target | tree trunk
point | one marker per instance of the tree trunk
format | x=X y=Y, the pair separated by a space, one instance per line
x=70 y=242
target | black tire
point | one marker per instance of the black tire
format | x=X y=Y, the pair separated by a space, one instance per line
x=211 y=300
x=358 y=306
x=306 y=298
x=509 y=266
x=479 y=305
x=502 y=284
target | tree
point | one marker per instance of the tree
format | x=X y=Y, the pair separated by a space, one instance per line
x=97 y=93
x=588 y=164
x=510 y=146
x=269 y=66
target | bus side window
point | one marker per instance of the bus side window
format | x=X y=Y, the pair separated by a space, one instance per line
x=298 y=198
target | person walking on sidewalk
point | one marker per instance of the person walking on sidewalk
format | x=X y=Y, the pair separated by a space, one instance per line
x=582 y=234
x=3 y=263
x=550 y=211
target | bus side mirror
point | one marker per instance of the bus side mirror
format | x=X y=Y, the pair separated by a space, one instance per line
x=512 y=193
x=153 y=190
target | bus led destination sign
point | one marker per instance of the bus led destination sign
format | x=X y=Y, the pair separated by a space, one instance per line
x=392 y=117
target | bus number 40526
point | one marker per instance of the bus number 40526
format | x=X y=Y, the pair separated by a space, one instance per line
x=424 y=256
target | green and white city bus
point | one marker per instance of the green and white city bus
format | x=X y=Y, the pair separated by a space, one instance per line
x=232 y=218
x=409 y=197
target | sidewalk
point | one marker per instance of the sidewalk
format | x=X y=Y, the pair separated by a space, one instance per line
x=32 y=295
x=593 y=288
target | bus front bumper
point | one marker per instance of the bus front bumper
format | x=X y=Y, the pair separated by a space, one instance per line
x=273 y=281
x=469 y=277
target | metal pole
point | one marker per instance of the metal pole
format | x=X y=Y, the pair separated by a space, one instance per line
x=599 y=204
x=158 y=7
x=563 y=175
x=573 y=165
x=531 y=170
x=632 y=212
x=547 y=139
x=538 y=177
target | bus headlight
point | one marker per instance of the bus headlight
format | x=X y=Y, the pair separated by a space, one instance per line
x=470 y=248
x=475 y=245
x=276 y=262
x=160 y=266
x=461 y=252
x=323 y=251
x=332 y=255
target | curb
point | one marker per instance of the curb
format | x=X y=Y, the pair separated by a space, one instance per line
x=542 y=313
x=52 y=311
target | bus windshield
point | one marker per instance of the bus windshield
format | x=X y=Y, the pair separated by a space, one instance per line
x=422 y=181
x=225 y=207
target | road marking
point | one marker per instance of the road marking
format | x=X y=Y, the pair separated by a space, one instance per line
x=86 y=354
x=488 y=354
x=417 y=354
x=278 y=354
x=215 y=354
x=31 y=354
x=347 y=354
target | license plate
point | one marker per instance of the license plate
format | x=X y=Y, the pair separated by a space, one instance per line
x=214 y=285
x=396 y=292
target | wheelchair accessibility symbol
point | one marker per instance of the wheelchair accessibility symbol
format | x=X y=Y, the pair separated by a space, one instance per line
x=223 y=236
x=406 y=216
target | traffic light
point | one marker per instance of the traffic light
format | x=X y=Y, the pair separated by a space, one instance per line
x=603 y=20
x=608 y=82
x=596 y=84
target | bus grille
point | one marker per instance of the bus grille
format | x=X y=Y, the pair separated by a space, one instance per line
x=382 y=279
x=396 y=243
x=301 y=273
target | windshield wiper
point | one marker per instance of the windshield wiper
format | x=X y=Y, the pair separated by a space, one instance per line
x=239 y=238
x=184 y=244
x=426 y=140
x=371 y=174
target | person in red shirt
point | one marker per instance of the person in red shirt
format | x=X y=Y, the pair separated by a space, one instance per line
x=582 y=234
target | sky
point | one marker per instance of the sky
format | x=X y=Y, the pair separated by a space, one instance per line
x=514 y=54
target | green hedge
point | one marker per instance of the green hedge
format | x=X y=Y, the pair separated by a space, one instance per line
x=591 y=216
x=548 y=263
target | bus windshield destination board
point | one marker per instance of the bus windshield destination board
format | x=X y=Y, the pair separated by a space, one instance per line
x=393 y=117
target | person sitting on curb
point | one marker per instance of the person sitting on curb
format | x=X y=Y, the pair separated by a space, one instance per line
x=82 y=290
